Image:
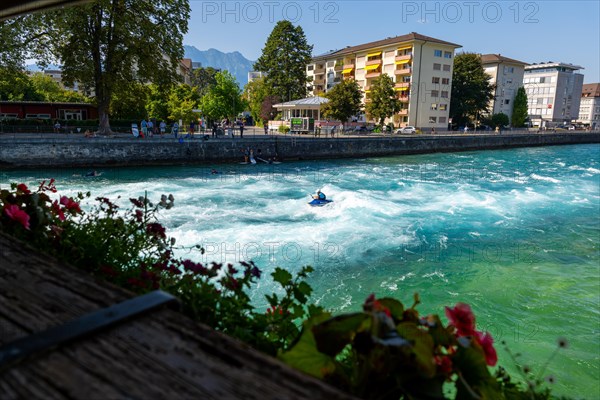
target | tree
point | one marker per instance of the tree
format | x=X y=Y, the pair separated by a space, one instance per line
x=203 y=79
x=520 y=113
x=344 y=101
x=471 y=89
x=383 y=101
x=284 y=59
x=255 y=93
x=17 y=86
x=130 y=102
x=107 y=44
x=223 y=99
x=500 y=120
x=183 y=99
x=50 y=90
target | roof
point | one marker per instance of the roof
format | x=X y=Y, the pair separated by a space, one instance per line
x=307 y=102
x=552 y=64
x=410 y=37
x=498 y=58
x=590 y=90
x=14 y=8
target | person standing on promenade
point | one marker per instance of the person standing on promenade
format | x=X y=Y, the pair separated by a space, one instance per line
x=192 y=128
x=266 y=127
x=163 y=128
x=144 y=126
x=214 y=130
x=241 y=129
x=150 y=128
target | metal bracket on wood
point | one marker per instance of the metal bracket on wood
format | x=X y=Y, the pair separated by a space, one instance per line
x=18 y=350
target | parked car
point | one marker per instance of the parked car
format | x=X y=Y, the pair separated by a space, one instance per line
x=572 y=127
x=407 y=130
x=360 y=129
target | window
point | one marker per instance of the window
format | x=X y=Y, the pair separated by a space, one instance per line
x=443 y=107
x=507 y=101
x=435 y=79
x=432 y=120
x=310 y=67
x=446 y=67
x=445 y=94
x=437 y=53
x=445 y=81
x=330 y=63
x=442 y=120
x=509 y=70
x=434 y=93
x=447 y=54
x=543 y=79
x=434 y=106
x=437 y=67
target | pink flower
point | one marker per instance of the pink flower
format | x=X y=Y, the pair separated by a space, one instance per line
x=487 y=344
x=13 y=212
x=462 y=318
x=70 y=204
x=23 y=188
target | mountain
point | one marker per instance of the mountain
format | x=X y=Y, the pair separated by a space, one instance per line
x=235 y=63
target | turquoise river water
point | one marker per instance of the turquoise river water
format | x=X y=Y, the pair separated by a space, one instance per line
x=514 y=233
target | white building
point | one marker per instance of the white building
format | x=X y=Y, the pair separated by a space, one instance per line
x=507 y=75
x=553 y=92
x=254 y=75
x=589 y=109
x=420 y=66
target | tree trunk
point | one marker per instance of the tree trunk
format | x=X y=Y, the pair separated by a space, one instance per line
x=103 y=123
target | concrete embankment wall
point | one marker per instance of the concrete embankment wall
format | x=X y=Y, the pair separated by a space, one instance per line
x=80 y=152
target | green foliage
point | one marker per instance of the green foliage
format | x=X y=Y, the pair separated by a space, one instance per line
x=255 y=94
x=223 y=99
x=499 y=120
x=519 y=114
x=384 y=103
x=203 y=79
x=17 y=86
x=51 y=91
x=471 y=89
x=283 y=128
x=183 y=99
x=345 y=100
x=284 y=59
x=130 y=102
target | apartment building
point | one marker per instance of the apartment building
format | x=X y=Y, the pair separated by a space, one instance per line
x=507 y=76
x=553 y=92
x=589 y=108
x=420 y=66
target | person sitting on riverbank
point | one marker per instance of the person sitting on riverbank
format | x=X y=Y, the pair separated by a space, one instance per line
x=89 y=134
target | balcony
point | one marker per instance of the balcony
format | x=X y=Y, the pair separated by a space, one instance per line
x=319 y=71
x=403 y=112
x=319 y=81
x=338 y=67
x=402 y=85
x=349 y=66
x=375 y=61
x=373 y=74
x=405 y=57
x=404 y=98
x=403 y=71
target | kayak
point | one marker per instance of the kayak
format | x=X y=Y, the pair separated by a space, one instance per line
x=319 y=203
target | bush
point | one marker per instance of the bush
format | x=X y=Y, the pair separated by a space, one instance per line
x=283 y=129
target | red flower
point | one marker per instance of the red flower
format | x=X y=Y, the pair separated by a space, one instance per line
x=23 y=188
x=70 y=204
x=444 y=364
x=487 y=344
x=462 y=318
x=58 y=211
x=13 y=212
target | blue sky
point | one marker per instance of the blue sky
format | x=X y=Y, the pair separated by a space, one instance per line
x=530 y=31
